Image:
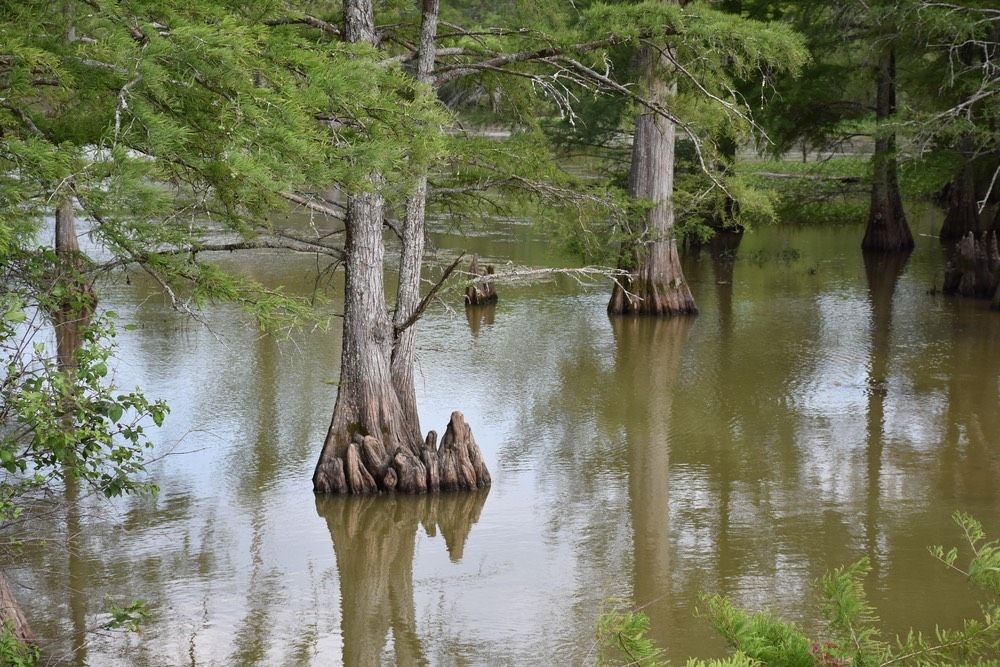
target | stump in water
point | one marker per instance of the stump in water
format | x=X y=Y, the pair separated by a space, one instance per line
x=367 y=468
x=974 y=268
x=483 y=292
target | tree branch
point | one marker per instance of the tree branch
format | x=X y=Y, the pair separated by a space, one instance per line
x=305 y=19
x=422 y=306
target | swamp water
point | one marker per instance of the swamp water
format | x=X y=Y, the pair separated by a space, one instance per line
x=818 y=410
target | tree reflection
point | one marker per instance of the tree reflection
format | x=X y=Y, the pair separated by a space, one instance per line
x=374 y=540
x=478 y=316
x=648 y=358
x=882 y=271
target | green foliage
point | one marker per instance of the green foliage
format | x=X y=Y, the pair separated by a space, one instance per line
x=14 y=653
x=761 y=636
x=68 y=422
x=621 y=635
x=129 y=617
x=852 y=626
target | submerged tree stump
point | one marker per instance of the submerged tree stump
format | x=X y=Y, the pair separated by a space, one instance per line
x=974 y=268
x=366 y=467
x=482 y=292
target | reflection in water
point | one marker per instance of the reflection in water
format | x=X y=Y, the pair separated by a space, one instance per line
x=813 y=414
x=373 y=539
x=77 y=572
x=882 y=271
x=647 y=360
x=69 y=328
x=478 y=316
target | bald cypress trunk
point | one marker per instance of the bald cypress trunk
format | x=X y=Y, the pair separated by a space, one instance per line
x=373 y=443
x=72 y=315
x=411 y=259
x=367 y=404
x=962 y=216
x=655 y=284
x=887 y=229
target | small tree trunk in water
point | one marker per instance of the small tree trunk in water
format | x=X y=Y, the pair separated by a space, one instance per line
x=887 y=229
x=73 y=314
x=480 y=293
x=963 y=211
x=656 y=284
x=974 y=267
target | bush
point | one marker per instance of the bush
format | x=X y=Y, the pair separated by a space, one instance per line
x=852 y=633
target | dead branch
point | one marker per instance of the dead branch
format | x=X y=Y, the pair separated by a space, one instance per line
x=422 y=306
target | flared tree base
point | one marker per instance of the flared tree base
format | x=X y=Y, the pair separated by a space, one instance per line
x=887 y=231
x=643 y=297
x=365 y=467
x=974 y=269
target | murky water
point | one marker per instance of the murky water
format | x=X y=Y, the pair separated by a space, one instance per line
x=820 y=409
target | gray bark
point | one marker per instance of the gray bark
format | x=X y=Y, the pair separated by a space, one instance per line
x=359 y=22
x=407 y=300
x=366 y=400
x=411 y=259
x=11 y=614
x=373 y=443
x=887 y=230
x=656 y=285
x=367 y=404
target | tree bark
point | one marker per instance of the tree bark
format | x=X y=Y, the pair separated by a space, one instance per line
x=367 y=404
x=411 y=258
x=656 y=284
x=373 y=443
x=71 y=316
x=963 y=211
x=887 y=230
x=974 y=267
x=359 y=22
x=11 y=614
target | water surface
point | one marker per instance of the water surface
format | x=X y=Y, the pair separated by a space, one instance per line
x=821 y=408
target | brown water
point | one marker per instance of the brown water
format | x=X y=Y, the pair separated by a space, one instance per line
x=817 y=411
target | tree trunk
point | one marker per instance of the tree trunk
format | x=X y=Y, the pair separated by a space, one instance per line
x=71 y=316
x=411 y=259
x=974 y=267
x=11 y=614
x=367 y=404
x=656 y=284
x=373 y=443
x=963 y=211
x=887 y=230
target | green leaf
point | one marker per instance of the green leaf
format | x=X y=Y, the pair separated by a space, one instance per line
x=115 y=412
x=15 y=315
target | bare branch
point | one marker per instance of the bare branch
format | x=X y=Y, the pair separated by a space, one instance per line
x=305 y=19
x=422 y=306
